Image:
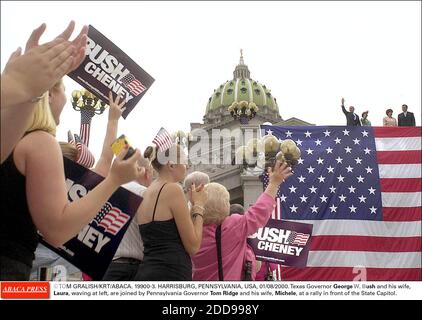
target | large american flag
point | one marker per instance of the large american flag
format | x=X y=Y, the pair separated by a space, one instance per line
x=163 y=140
x=360 y=187
x=86 y=116
x=133 y=85
x=112 y=219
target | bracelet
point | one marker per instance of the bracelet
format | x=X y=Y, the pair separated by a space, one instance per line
x=198 y=206
x=197 y=214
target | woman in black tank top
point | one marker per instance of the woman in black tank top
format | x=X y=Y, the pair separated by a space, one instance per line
x=169 y=230
x=18 y=234
x=165 y=257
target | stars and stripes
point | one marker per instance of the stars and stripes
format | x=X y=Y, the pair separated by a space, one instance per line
x=363 y=199
x=133 y=85
x=112 y=219
x=85 y=157
x=86 y=116
x=163 y=140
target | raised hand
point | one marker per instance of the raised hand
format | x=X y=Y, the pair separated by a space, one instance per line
x=123 y=171
x=279 y=174
x=79 y=42
x=32 y=74
x=116 y=108
x=199 y=195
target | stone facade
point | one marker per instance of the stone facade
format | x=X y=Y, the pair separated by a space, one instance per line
x=244 y=187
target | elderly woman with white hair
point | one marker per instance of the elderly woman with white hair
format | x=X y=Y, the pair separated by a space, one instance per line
x=234 y=230
x=196 y=178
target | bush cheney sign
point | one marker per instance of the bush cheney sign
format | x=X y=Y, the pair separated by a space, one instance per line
x=106 y=68
x=94 y=247
x=283 y=242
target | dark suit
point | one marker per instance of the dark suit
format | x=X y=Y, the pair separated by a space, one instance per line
x=352 y=118
x=406 y=121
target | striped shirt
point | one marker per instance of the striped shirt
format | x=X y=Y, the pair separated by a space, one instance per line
x=131 y=245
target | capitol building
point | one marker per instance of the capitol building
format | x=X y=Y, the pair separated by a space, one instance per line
x=239 y=105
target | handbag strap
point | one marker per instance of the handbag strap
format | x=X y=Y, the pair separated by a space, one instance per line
x=219 y=257
x=269 y=276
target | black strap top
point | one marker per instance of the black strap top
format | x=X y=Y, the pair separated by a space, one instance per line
x=162 y=243
x=18 y=234
x=156 y=202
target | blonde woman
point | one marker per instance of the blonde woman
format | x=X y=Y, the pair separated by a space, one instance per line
x=235 y=228
x=34 y=196
x=171 y=233
x=44 y=257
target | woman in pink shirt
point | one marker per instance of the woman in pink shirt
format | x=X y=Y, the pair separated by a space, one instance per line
x=389 y=121
x=234 y=229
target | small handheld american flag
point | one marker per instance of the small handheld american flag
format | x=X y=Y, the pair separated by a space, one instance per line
x=86 y=116
x=163 y=140
x=85 y=157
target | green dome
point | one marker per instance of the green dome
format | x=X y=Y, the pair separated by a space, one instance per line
x=241 y=88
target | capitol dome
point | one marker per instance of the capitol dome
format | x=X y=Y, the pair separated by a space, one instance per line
x=241 y=88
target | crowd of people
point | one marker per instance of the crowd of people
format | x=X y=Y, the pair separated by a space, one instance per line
x=170 y=236
x=405 y=119
x=185 y=227
x=34 y=197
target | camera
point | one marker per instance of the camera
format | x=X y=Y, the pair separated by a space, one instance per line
x=120 y=143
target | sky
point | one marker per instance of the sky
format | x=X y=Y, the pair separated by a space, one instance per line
x=310 y=54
